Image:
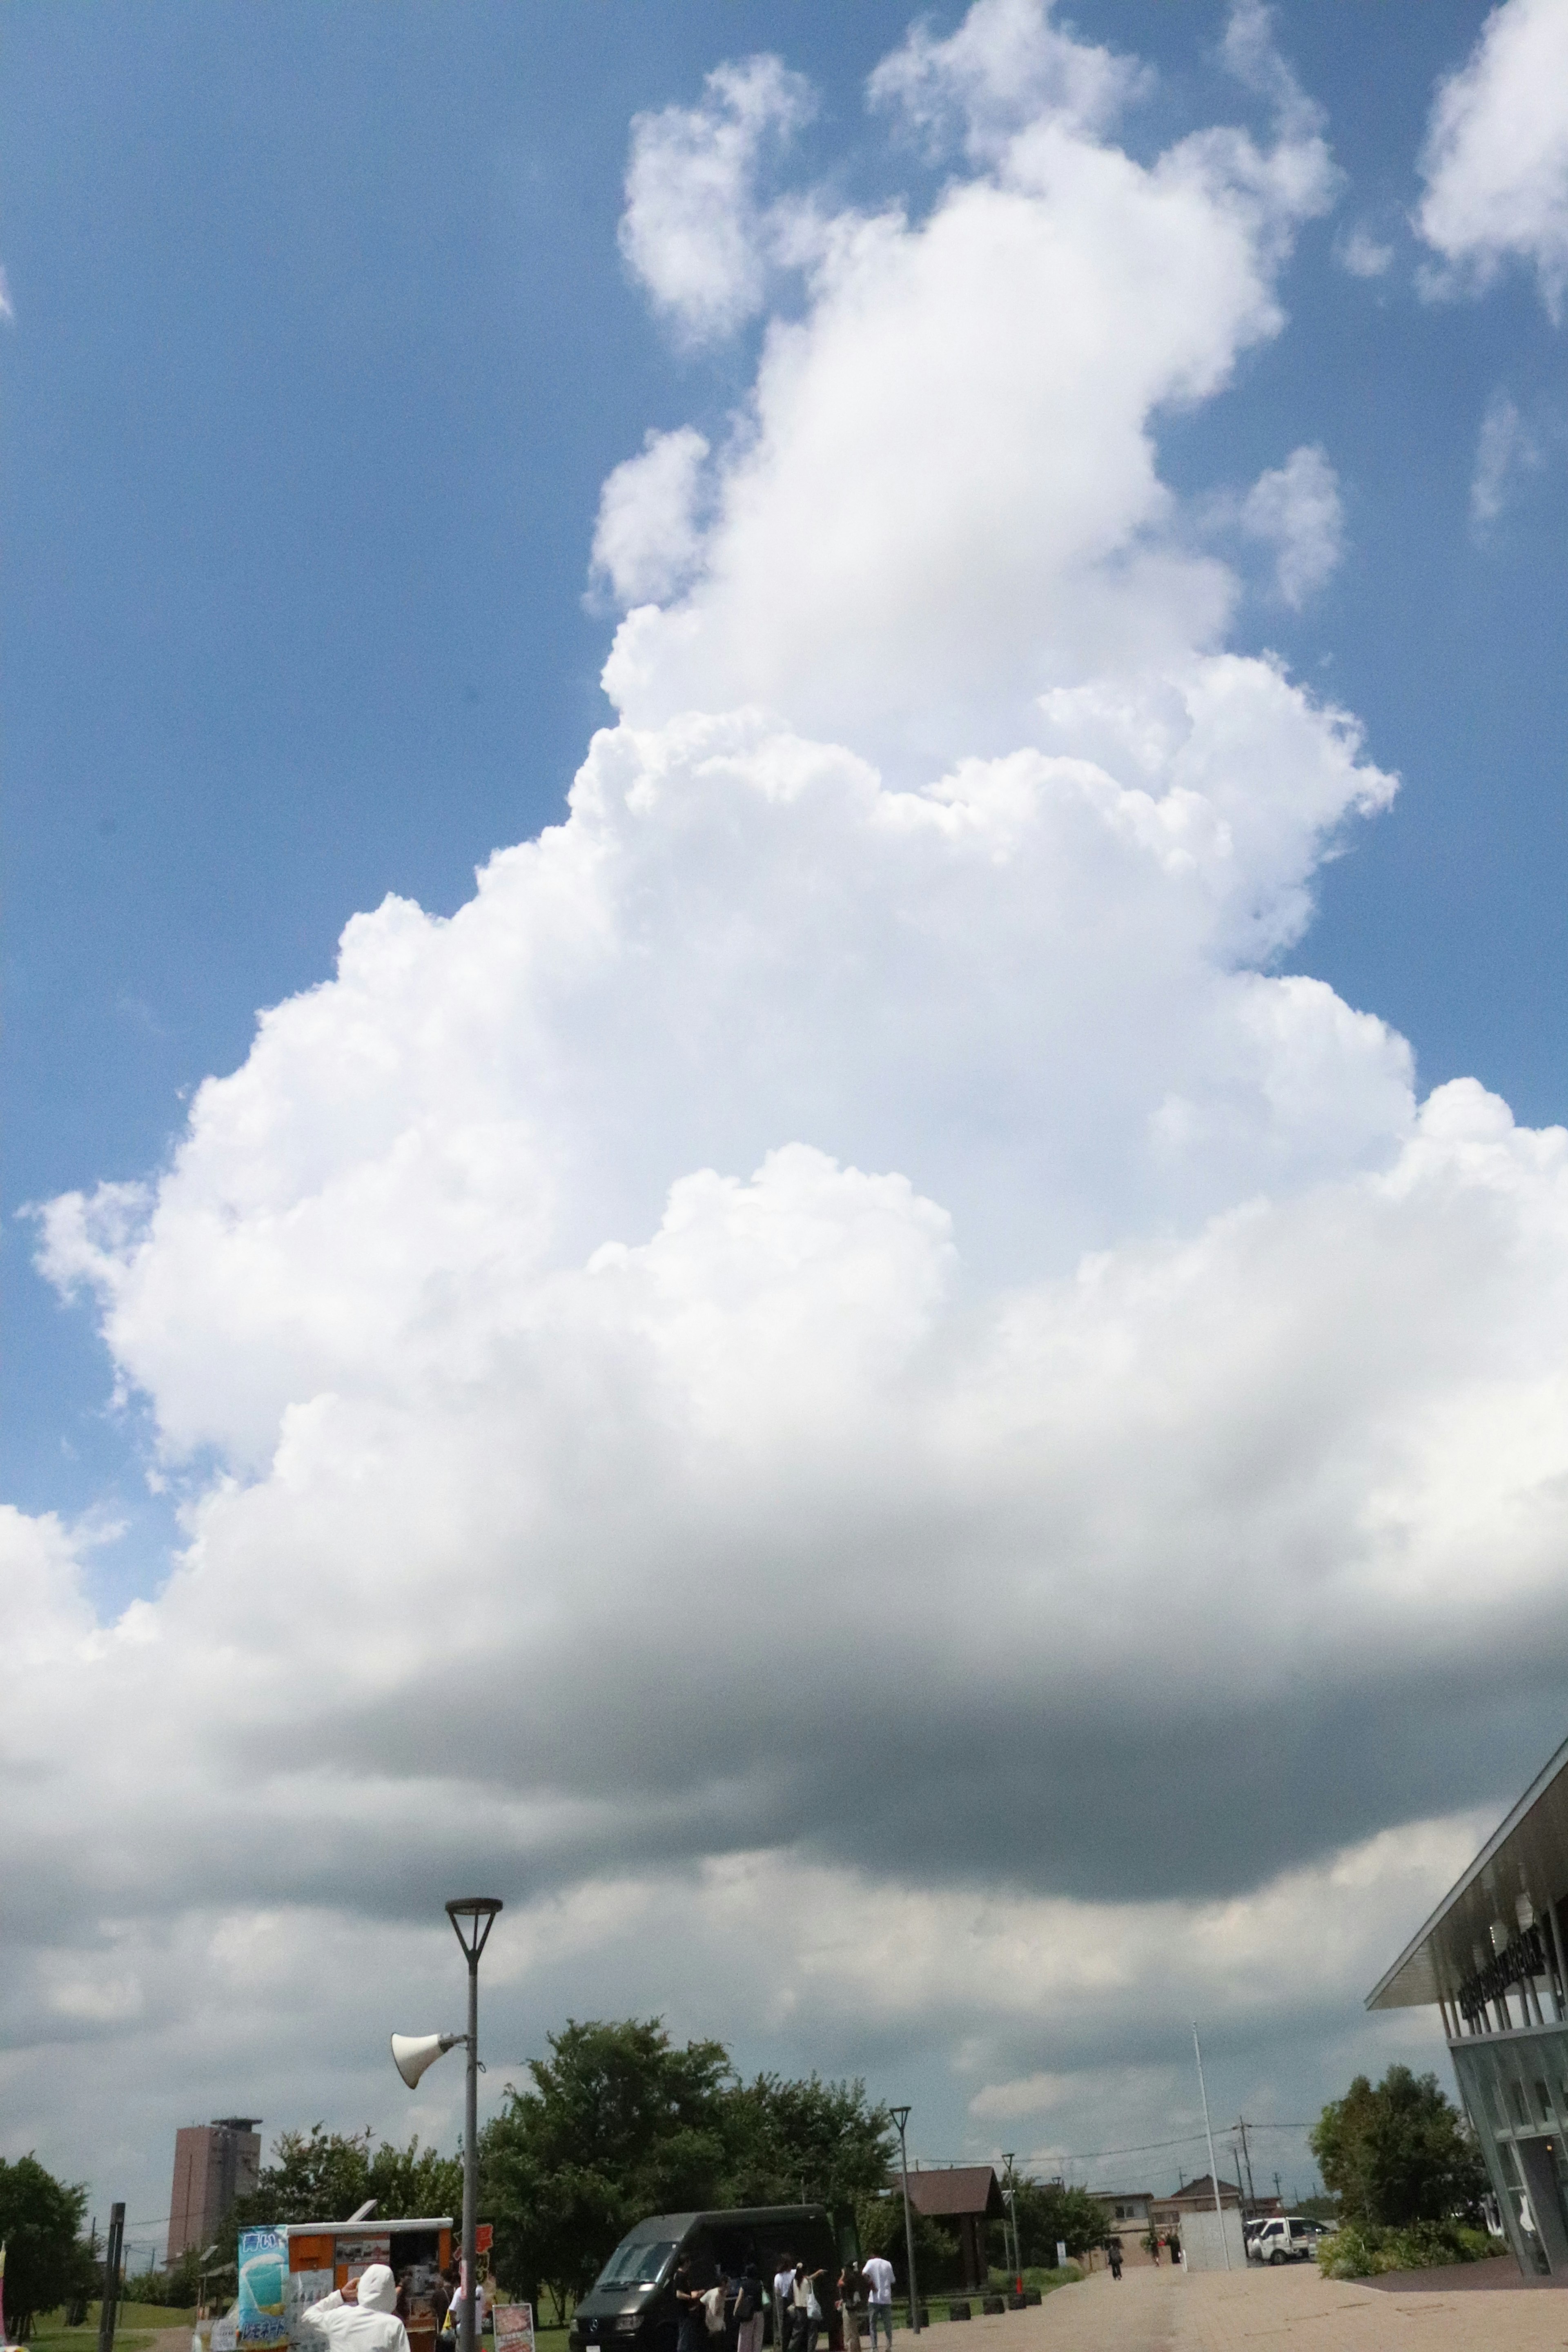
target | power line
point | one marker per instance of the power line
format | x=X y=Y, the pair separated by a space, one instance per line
x=1091 y=2155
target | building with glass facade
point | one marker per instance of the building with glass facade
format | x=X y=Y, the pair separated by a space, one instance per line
x=1490 y=1958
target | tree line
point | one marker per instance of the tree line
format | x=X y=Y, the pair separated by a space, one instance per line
x=617 y=2122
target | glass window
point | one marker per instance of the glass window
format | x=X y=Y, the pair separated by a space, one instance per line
x=636 y=2262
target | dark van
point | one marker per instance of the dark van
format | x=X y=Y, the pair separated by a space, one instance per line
x=632 y=2306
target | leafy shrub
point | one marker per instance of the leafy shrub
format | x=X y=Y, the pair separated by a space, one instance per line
x=1365 y=2249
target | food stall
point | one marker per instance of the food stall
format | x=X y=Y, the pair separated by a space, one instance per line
x=283 y=2272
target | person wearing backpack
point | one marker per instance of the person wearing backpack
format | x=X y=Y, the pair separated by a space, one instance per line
x=749 y=2311
x=848 y=2297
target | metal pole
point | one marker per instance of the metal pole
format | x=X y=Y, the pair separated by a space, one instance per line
x=1012 y=2202
x=1214 y=2168
x=1246 y=2159
x=1556 y=1950
x=106 y=2309
x=480 y=1910
x=471 y=2157
x=900 y=2116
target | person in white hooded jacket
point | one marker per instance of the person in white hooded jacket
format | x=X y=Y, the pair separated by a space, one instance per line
x=371 y=2325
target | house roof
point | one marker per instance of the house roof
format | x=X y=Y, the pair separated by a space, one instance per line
x=960 y=2189
x=1101 y=2195
x=1200 y=2192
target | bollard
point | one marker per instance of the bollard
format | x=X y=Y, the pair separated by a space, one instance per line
x=959 y=2311
x=992 y=2305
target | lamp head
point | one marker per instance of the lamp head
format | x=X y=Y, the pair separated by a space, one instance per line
x=413 y=2052
x=472 y=1918
x=900 y=2116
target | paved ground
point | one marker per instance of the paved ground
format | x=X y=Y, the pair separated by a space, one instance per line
x=1275 y=2311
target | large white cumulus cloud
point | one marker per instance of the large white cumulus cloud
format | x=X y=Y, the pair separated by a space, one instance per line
x=840 y=1298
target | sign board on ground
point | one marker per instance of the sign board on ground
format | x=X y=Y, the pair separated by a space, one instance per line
x=515 y=2327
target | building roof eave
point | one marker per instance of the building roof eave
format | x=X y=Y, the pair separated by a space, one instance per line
x=1537 y=1827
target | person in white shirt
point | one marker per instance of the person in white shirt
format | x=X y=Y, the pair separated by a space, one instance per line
x=783 y=2301
x=370 y=2324
x=878 y=2274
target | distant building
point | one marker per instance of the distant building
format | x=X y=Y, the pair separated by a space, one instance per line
x=1197 y=2197
x=1127 y=2215
x=214 y=2164
x=966 y=2194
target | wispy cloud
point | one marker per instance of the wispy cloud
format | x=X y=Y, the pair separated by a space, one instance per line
x=1507 y=448
x=1296 y=509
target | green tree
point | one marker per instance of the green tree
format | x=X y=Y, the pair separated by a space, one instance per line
x=1049 y=2213
x=804 y=2142
x=617 y=2123
x=1398 y=2153
x=939 y=2262
x=322 y=2176
x=40 y=2224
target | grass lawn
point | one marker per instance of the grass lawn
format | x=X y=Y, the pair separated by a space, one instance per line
x=135 y=2325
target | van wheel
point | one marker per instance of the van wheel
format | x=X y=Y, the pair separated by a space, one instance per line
x=1277 y=2257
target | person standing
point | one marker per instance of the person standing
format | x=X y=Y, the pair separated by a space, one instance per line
x=878 y=2274
x=807 y=2310
x=691 y=2320
x=749 y=2311
x=783 y=2297
x=848 y=2296
x=368 y=2323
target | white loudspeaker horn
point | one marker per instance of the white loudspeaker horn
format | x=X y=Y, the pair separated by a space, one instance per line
x=411 y=2052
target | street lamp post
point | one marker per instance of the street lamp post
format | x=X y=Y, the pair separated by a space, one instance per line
x=900 y=2116
x=472 y=1918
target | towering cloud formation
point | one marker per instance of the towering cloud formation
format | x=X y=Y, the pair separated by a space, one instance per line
x=840 y=1292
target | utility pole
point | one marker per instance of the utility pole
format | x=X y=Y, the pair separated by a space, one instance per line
x=106 y=2309
x=1278 y=2191
x=1247 y=2160
x=1208 y=2135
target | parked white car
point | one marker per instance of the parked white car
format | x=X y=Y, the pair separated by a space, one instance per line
x=1286 y=2238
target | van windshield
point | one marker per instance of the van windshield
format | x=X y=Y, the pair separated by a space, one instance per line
x=636 y=2262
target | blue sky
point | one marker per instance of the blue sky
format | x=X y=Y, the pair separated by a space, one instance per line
x=323 y=344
